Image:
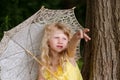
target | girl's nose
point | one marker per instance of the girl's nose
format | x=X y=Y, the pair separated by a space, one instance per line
x=60 y=41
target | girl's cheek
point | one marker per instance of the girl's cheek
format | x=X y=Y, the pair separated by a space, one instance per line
x=66 y=44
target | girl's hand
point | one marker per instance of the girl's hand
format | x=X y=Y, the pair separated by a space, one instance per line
x=85 y=36
x=82 y=34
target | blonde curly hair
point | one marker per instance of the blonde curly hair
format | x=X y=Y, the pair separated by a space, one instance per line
x=44 y=48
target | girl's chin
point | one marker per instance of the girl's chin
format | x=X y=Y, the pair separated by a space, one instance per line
x=61 y=51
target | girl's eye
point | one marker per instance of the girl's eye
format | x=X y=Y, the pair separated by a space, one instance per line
x=64 y=39
x=56 y=37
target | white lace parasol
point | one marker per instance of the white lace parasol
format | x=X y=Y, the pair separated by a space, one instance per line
x=15 y=64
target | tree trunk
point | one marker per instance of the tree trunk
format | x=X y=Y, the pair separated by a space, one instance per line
x=102 y=53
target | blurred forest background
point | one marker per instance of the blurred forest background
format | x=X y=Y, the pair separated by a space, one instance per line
x=13 y=12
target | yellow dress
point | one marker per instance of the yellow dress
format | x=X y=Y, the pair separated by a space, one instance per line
x=71 y=73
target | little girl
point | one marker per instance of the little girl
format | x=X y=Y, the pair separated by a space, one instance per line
x=58 y=49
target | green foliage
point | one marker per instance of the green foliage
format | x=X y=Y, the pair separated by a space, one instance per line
x=6 y=25
x=80 y=63
x=14 y=12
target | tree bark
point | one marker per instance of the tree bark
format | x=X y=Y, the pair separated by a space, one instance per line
x=102 y=53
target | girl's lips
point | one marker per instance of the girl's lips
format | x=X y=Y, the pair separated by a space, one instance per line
x=59 y=46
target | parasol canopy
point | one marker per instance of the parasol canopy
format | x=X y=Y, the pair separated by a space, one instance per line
x=15 y=64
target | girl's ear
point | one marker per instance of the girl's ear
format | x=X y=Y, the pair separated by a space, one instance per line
x=68 y=41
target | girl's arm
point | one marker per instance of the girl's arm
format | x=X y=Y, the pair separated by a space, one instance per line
x=75 y=40
x=40 y=77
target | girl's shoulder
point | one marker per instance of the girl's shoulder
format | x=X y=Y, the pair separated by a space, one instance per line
x=71 y=60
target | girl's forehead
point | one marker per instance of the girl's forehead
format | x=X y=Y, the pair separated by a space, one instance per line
x=55 y=28
x=57 y=31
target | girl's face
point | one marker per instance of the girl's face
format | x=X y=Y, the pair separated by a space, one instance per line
x=58 y=41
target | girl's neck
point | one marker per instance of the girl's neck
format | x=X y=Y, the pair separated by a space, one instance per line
x=55 y=57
